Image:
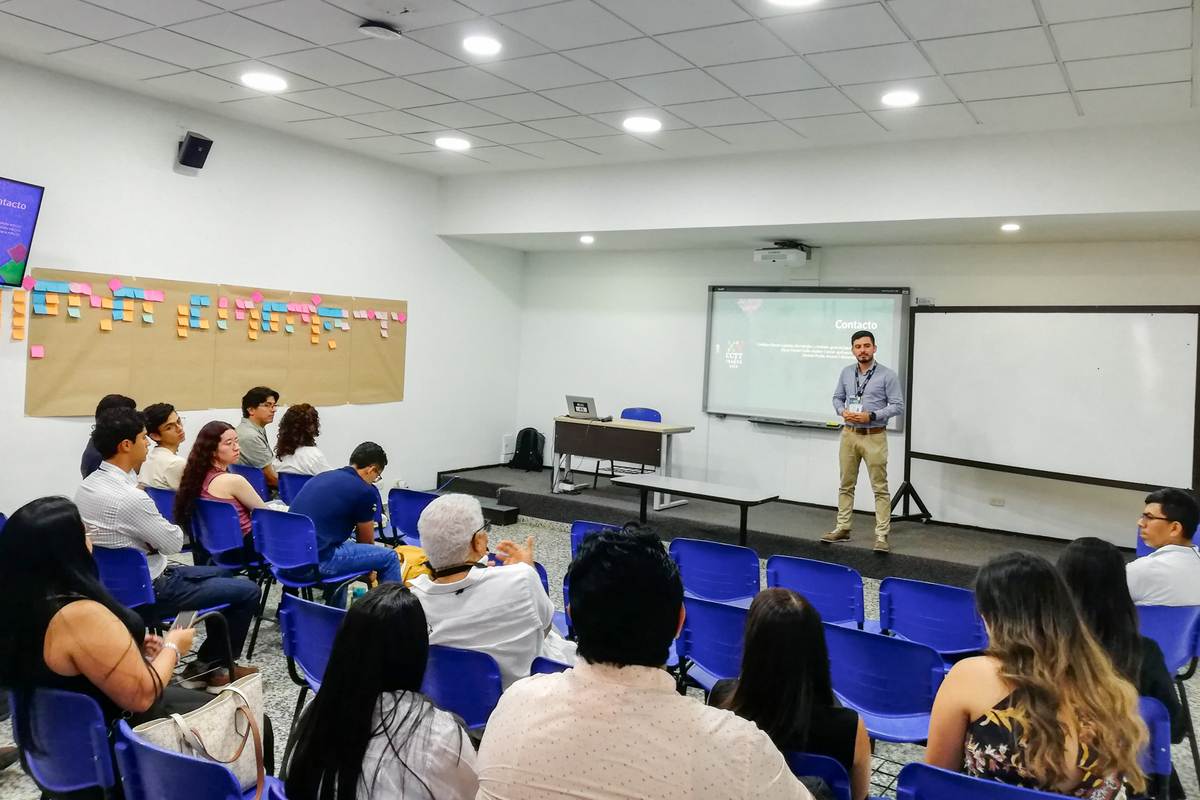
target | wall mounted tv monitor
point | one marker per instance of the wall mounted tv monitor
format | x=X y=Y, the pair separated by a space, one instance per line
x=19 y=206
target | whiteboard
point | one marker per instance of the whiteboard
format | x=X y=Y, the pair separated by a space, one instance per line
x=1100 y=395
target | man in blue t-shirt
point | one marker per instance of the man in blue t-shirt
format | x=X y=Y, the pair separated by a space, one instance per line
x=342 y=503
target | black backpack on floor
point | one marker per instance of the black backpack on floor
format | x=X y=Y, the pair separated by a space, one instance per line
x=528 y=454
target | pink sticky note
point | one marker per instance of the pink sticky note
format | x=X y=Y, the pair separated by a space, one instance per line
x=304 y=317
x=37 y=351
x=257 y=297
x=223 y=302
x=239 y=314
x=370 y=314
x=74 y=288
x=154 y=295
x=27 y=283
x=114 y=284
x=95 y=301
x=316 y=298
x=85 y=288
x=401 y=317
x=396 y=316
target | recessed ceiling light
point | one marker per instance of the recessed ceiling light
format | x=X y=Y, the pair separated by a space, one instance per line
x=1010 y=227
x=587 y=238
x=642 y=124
x=264 y=81
x=452 y=143
x=379 y=30
x=481 y=45
x=793 y=3
x=900 y=98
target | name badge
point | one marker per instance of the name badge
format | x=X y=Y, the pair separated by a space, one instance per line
x=855 y=405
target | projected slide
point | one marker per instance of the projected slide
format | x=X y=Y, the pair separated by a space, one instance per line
x=776 y=352
x=19 y=205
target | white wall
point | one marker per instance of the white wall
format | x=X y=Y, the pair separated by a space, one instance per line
x=267 y=210
x=629 y=329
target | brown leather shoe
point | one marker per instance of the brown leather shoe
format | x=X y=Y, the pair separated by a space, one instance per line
x=836 y=536
x=881 y=545
x=219 y=679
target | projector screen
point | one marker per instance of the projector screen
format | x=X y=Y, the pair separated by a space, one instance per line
x=775 y=352
x=1088 y=394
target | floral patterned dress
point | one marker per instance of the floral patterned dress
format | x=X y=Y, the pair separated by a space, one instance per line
x=995 y=749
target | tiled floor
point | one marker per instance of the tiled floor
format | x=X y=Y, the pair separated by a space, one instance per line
x=552 y=544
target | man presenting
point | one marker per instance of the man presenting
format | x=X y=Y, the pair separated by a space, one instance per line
x=867 y=396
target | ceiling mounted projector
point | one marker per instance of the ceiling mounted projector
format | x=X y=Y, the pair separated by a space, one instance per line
x=379 y=30
x=785 y=251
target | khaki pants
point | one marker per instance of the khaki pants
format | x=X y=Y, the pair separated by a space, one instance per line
x=873 y=449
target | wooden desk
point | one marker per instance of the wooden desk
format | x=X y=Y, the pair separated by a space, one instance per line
x=627 y=440
x=719 y=493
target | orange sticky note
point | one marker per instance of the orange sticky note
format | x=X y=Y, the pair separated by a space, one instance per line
x=51 y=299
x=52 y=310
x=181 y=310
x=222 y=313
x=18 y=334
x=291 y=319
x=106 y=324
x=332 y=344
x=203 y=324
x=107 y=303
x=73 y=301
x=18 y=295
x=127 y=316
x=275 y=327
x=147 y=308
x=182 y=333
x=316 y=339
x=181 y=321
x=254 y=314
x=18 y=321
x=253 y=334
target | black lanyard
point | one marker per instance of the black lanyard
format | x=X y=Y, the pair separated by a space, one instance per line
x=858 y=390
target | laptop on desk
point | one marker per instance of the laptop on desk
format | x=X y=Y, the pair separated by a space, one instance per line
x=581 y=407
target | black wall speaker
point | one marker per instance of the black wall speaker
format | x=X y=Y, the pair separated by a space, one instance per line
x=193 y=150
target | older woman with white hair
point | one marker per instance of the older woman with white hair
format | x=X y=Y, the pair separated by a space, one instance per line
x=502 y=611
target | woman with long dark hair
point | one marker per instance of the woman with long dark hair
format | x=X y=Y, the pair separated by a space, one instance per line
x=207 y=476
x=1043 y=708
x=296 y=449
x=784 y=686
x=370 y=734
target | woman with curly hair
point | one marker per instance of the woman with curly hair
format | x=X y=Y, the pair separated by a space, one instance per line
x=1043 y=708
x=296 y=449
x=207 y=476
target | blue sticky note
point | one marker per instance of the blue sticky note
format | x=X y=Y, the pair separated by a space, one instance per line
x=193 y=323
x=39 y=308
x=266 y=326
x=148 y=318
x=139 y=294
x=118 y=314
x=289 y=328
x=223 y=324
x=193 y=300
x=328 y=326
x=38 y=297
x=73 y=311
x=195 y=312
x=204 y=300
x=124 y=291
x=118 y=305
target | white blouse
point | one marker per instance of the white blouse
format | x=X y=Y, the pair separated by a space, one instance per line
x=305 y=461
x=436 y=760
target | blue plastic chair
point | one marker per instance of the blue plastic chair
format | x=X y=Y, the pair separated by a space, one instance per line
x=149 y=772
x=308 y=631
x=164 y=501
x=710 y=644
x=943 y=617
x=547 y=666
x=725 y=573
x=126 y=575
x=288 y=542
x=256 y=478
x=836 y=591
x=1155 y=761
x=290 y=485
x=580 y=528
x=275 y=791
x=891 y=683
x=465 y=682
x=3 y=520
x=68 y=728
x=1176 y=630
x=404 y=509
x=827 y=769
x=922 y=782
x=641 y=414
x=1139 y=546
x=216 y=527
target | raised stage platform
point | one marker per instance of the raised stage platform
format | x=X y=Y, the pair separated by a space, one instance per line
x=929 y=551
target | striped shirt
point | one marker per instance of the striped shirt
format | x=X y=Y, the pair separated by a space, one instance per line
x=118 y=514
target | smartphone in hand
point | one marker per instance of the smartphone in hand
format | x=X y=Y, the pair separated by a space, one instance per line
x=185 y=620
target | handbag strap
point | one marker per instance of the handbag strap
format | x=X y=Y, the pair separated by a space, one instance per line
x=196 y=742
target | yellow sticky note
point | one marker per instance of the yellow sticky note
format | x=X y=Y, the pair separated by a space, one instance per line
x=181 y=310
x=182 y=333
x=181 y=321
x=51 y=299
x=222 y=313
x=18 y=334
x=18 y=321
x=275 y=327
x=332 y=344
x=127 y=316
x=316 y=339
x=106 y=324
x=73 y=301
x=203 y=324
x=52 y=310
x=254 y=314
x=291 y=319
x=253 y=334
x=147 y=308
x=18 y=295
x=106 y=302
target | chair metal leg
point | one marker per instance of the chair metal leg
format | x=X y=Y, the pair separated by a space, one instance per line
x=1188 y=724
x=287 y=751
x=258 y=618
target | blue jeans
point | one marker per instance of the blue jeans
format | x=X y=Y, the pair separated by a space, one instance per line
x=349 y=557
x=184 y=588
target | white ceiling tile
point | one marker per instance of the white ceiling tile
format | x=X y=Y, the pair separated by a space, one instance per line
x=34 y=36
x=688 y=86
x=506 y=157
x=332 y=128
x=670 y=122
x=233 y=73
x=1118 y=36
x=429 y=137
x=572 y=127
x=457 y=115
x=75 y=16
x=523 y=107
x=232 y=5
x=465 y=83
x=773 y=75
x=1022 y=112
x=1103 y=73
x=928 y=19
x=509 y=133
x=621 y=145
x=693 y=142
x=558 y=151
x=389 y=144
x=397 y=93
x=269 y=109
x=837 y=28
x=314 y=20
x=661 y=16
x=175 y=49
x=595 y=98
x=933 y=91
x=1014 y=82
x=449 y=39
x=1134 y=100
x=839 y=128
x=439 y=162
x=808 y=103
x=626 y=59
x=396 y=122
x=990 y=50
x=159 y=12
x=1070 y=10
x=575 y=23
x=729 y=111
x=758 y=135
x=399 y=57
x=885 y=63
x=410 y=15
x=335 y=101
x=240 y=35
x=764 y=9
x=326 y=66
x=491 y=7
x=542 y=72
x=199 y=86
x=109 y=60
x=947 y=120
x=742 y=41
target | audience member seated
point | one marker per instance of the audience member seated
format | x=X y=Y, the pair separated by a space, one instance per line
x=1044 y=707
x=60 y=628
x=341 y=503
x=1170 y=576
x=91 y=457
x=164 y=466
x=207 y=476
x=502 y=611
x=786 y=690
x=296 y=448
x=370 y=734
x=614 y=726
x=258 y=411
x=118 y=514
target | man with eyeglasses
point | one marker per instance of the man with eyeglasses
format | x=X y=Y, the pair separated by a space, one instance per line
x=258 y=411
x=342 y=503
x=163 y=468
x=1170 y=576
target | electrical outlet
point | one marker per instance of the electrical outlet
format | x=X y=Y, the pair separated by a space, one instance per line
x=998 y=502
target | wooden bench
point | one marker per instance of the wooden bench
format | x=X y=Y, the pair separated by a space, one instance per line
x=719 y=493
